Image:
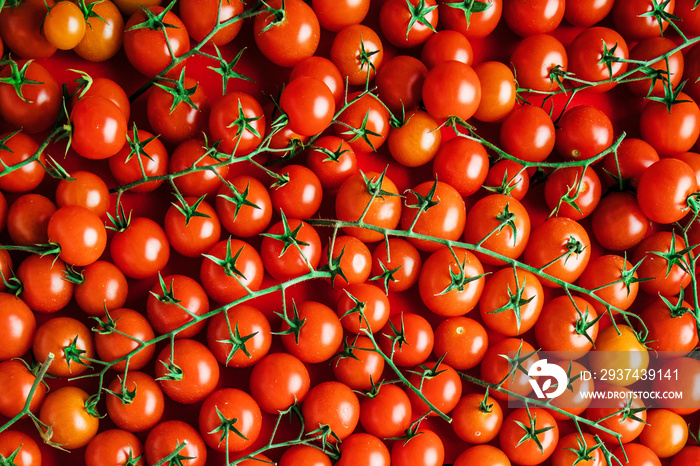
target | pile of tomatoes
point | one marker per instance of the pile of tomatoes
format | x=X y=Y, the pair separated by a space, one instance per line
x=338 y=231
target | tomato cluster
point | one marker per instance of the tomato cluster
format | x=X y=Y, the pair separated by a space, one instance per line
x=339 y=231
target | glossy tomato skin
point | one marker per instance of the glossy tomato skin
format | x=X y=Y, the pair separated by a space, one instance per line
x=618 y=222
x=497 y=91
x=477 y=418
x=248 y=221
x=446 y=45
x=534 y=58
x=373 y=302
x=246 y=322
x=15 y=382
x=395 y=19
x=86 y=190
x=175 y=125
x=235 y=404
x=566 y=452
x=562 y=238
x=141 y=250
x=104 y=286
x=477 y=24
x=225 y=122
x=528 y=133
x=463 y=164
x=164 y=438
x=193 y=152
x=417 y=141
x=445 y=219
x=332 y=404
x=28 y=220
x=442 y=390
x=290 y=40
x=126 y=165
x=320 y=336
x=199 y=371
x=462 y=341
x=445 y=295
x=487 y=215
x=347 y=51
x=332 y=171
x=351 y=123
x=44 y=288
x=586 y=53
x=688 y=456
x=561 y=327
x=99 y=128
x=631 y=354
x=418 y=339
x=666 y=433
x=146 y=406
x=277 y=381
x=200 y=18
x=334 y=15
x=192 y=236
x=363 y=368
x=324 y=70
x=283 y=262
x=80 y=234
x=604 y=270
x=529 y=453
x=304 y=454
x=113 y=346
x=64 y=25
x=300 y=195
x=18 y=325
x=492 y=455
x=501 y=290
x=583 y=131
x=40 y=104
x=64 y=409
x=682 y=125
x=633 y=157
x=386 y=414
x=670 y=334
x=354 y=195
x=664 y=188
x=20 y=27
x=104 y=35
x=451 y=88
x=151 y=60
x=361 y=448
x=425 y=449
x=112 y=448
x=630 y=19
x=54 y=336
x=29 y=452
x=582 y=188
x=309 y=104
x=628 y=428
x=400 y=82
x=648 y=49
x=400 y=255
x=221 y=282
x=494 y=367
x=352 y=257
x=526 y=18
x=664 y=281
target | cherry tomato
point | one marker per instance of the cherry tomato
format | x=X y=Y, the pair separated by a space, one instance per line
x=140 y=250
x=240 y=337
x=407 y=337
x=528 y=134
x=71 y=423
x=201 y=16
x=497 y=91
x=358 y=366
x=303 y=454
x=334 y=15
x=352 y=260
x=461 y=341
x=238 y=120
x=233 y=205
x=451 y=88
x=451 y=283
x=64 y=25
x=570 y=451
x=495 y=368
x=529 y=452
x=615 y=351
x=71 y=343
x=21 y=447
x=332 y=160
x=367 y=298
x=538 y=61
x=386 y=413
x=613 y=280
x=104 y=33
x=80 y=234
x=628 y=427
x=667 y=279
x=526 y=17
x=187 y=371
x=192 y=234
x=664 y=188
x=491 y=456
x=572 y=192
x=358 y=52
x=20 y=27
x=44 y=287
x=142 y=156
x=586 y=13
x=102 y=286
x=417 y=141
x=463 y=164
x=586 y=56
x=397 y=264
x=442 y=387
x=319 y=335
x=648 y=49
x=567 y=324
x=112 y=448
x=433 y=209
x=290 y=249
x=671 y=333
x=331 y=404
x=98 y=128
x=500 y=224
x=85 y=190
x=309 y=105
x=364 y=124
x=164 y=438
x=511 y=302
x=277 y=381
x=477 y=418
x=665 y=433
x=583 y=131
x=176 y=122
x=230 y=268
x=133 y=327
x=400 y=83
x=425 y=449
x=618 y=222
x=18 y=324
x=299 y=195
x=30 y=98
x=292 y=38
x=233 y=405
x=162 y=49
x=16 y=381
x=324 y=70
x=135 y=402
x=408 y=24
x=473 y=20
x=632 y=22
